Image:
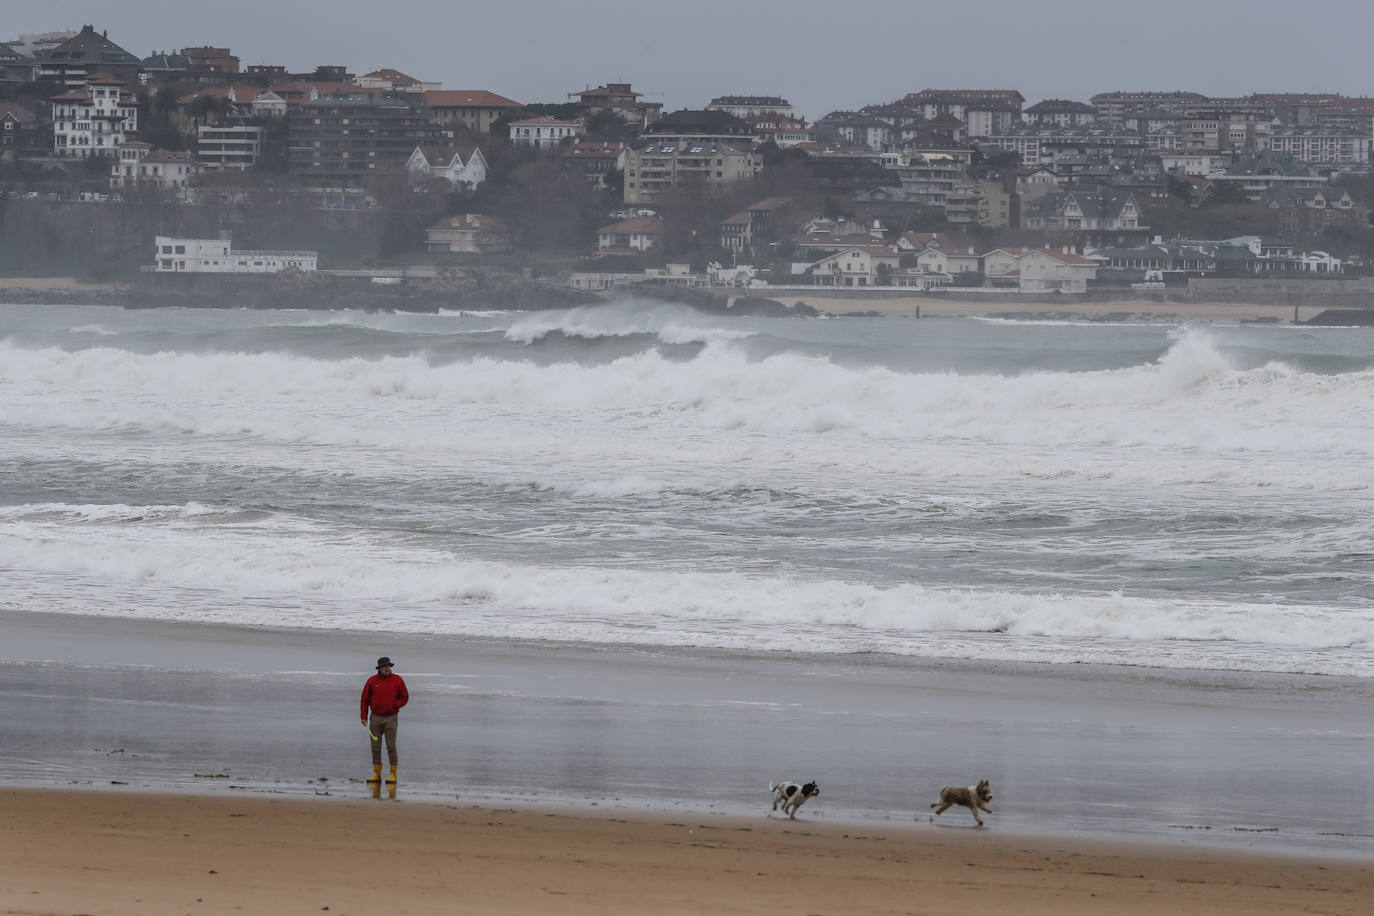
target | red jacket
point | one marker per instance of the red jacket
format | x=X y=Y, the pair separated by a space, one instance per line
x=384 y=695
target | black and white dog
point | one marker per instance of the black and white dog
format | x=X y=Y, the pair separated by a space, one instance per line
x=970 y=797
x=792 y=796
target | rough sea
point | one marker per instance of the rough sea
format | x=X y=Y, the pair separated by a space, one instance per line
x=1164 y=495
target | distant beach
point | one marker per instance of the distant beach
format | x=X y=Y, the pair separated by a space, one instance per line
x=901 y=307
x=1011 y=307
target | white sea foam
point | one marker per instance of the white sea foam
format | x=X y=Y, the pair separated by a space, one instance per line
x=673 y=324
x=287 y=573
x=1266 y=426
x=864 y=464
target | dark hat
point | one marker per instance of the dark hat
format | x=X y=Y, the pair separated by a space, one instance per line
x=383 y=662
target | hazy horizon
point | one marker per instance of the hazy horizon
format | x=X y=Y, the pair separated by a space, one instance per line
x=683 y=57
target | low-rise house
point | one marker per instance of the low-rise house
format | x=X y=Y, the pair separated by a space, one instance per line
x=1246 y=255
x=389 y=80
x=1047 y=270
x=859 y=265
x=93 y=120
x=475 y=109
x=619 y=99
x=138 y=163
x=18 y=130
x=856 y=129
x=462 y=165
x=545 y=132
x=754 y=225
x=1265 y=171
x=951 y=261
x=16 y=67
x=637 y=234
x=1085 y=209
x=919 y=278
x=469 y=232
x=596 y=159
x=218 y=256
x=784 y=131
x=1310 y=211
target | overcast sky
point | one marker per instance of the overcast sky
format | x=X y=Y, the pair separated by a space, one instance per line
x=819 y=55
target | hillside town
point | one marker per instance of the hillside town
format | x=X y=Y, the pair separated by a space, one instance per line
x=115 y=165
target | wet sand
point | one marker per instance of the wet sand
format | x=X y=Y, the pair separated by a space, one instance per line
x=125 y=853
x=1105 y=752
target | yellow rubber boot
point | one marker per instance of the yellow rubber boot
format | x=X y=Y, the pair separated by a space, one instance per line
x=391 y=780
x=376 y=773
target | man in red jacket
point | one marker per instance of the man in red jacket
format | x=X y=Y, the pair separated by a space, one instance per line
x=383 y=695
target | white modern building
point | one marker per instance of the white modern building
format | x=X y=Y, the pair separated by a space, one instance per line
x=218 y=256
x=230 y=146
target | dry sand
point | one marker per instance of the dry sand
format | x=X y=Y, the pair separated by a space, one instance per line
x=109 y=852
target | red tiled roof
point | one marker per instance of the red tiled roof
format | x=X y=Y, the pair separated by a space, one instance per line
x=1064 y=256
x=642 y=224
x=467 y=98
x=392 y=76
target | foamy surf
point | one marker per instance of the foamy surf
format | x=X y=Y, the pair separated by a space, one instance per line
x=644 y=473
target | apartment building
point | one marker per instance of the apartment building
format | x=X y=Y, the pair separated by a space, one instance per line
x=655 y=170
x=347 y=137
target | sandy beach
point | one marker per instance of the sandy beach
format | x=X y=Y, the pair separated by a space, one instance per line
x=920 y=306
x=125 y=853
x=1012 y=307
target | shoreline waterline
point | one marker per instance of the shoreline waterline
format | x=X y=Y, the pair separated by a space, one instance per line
x=1162 y=755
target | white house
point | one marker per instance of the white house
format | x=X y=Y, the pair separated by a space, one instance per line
x=468 y=232
x=1047 y=270
x=217 y=256
x=461 y=166
x=93 y=121
x=955 y=261
x=138 y=163
x=266 y=104
x=544 y=133
x=639 y=233
x=858 y=265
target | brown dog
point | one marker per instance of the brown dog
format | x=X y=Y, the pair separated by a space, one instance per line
x=970 y=797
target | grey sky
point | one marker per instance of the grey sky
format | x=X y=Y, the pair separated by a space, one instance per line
x=819 y=55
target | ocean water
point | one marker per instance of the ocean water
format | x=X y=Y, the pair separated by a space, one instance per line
x=1164 y=495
